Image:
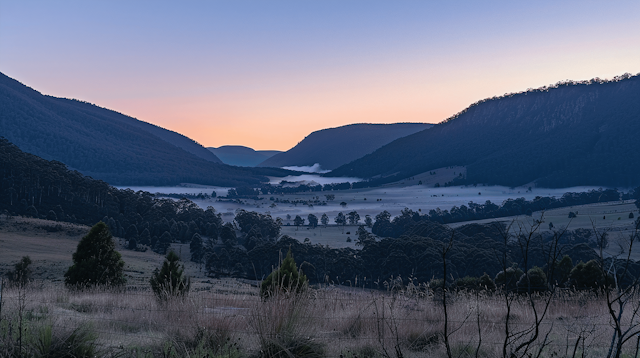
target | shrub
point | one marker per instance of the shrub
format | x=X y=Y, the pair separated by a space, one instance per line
x=51 y=215
x=133 y=244
x=21 y=273
x=81 y=342
x=96 y=261
x=509 y=281
x=561 y=271
x=284 y=328
x=486 y=283
x=284 y=279
x=474 y=283
x=534 y=281
x=170 y=281
x=467 y=283
x=589 y=276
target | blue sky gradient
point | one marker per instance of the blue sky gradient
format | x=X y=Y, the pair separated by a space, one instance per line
x=267 y=73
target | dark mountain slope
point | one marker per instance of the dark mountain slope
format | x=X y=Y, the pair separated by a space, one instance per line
x=177 y=139
x=333 y=147
x=242 y=156
x=577 y=133
x=107 y=145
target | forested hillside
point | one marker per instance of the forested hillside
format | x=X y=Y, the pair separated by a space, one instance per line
x=35 y=187
x=572 y=133
x=177 y=139
x=333 y=147
x=107 y=145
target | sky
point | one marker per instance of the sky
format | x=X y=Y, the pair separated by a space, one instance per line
x=265 y=74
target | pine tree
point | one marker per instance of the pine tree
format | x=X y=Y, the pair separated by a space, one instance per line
x=170 y=281
x=96 y=261
x=285 y=279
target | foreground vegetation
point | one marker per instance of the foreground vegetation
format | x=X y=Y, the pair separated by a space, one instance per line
x=231 y=320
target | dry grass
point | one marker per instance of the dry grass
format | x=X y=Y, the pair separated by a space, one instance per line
x=232 y=320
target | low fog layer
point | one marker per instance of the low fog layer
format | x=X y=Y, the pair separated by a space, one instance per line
x=367 y=201
x=310 y=179
x=190 y=190
x=308 y=169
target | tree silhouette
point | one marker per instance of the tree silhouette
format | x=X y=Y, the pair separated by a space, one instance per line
x=21 y=273
x=313 y=220
x=170 y=281
x=340 y=219
x=197 y=248
x=285 y=279
x=324 y=219
x=96 y=261
x=298 y=221
x=354 y=218
x=368 y=221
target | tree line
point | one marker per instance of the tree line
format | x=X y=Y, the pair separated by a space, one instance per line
x=34 y=187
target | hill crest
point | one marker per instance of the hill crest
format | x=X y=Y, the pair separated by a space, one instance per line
x=571 y=133
x=332 y=147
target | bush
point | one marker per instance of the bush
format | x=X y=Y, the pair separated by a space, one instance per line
x=509 y=281
x=21 y=274
x=534 y=281
x=561 y=271
x=81 y=342
x=51 y=215
x=469 y=283
x=589 y=275
x=486 y=283
x=284 y=328
x=32 y=212
x=284 y=279
x=96 y=261
x=169 y=281
x=133 y=244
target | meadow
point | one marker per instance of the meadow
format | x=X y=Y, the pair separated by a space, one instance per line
x=229 y=319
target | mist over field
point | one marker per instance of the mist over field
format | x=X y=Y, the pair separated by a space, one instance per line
x=366 y=201
x=310 y=179
x=316 y=168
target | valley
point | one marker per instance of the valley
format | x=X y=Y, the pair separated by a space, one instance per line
x=319 y=179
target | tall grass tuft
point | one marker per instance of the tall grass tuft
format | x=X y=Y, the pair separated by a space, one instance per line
x=284 y=329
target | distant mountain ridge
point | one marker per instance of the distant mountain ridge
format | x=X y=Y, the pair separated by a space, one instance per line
x=568 y=134
x=179 y=140
x=242 y=156
x=108 y=145
x=333 y=147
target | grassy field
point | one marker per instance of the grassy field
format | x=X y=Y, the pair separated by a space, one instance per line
x=612 y=217
x=230 y=320
x=51 y=251
x=226 y=317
